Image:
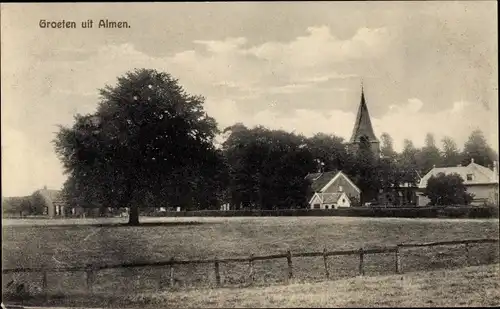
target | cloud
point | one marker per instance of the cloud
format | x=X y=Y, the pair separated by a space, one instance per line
x=321 y=48
x=226 y=46
x=321 y=78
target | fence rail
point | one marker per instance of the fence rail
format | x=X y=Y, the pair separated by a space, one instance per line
x=361 y=252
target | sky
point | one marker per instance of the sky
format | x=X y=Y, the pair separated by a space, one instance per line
x=298 y=66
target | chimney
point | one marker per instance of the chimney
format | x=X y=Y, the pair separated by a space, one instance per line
x=321 y=166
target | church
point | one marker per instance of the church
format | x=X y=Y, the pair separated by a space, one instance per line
x=328 y=184
x=362 y=137
x=362 y=133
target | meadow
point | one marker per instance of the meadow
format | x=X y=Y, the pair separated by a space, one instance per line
x=470 y=286
x=76 y=242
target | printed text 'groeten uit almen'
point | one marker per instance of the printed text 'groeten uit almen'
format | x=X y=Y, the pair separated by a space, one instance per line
x=87 y=24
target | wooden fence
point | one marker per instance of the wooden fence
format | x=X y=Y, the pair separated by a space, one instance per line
x=361 y=252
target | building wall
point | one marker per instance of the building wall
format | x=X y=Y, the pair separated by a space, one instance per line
x=422 y=200
x=315 y=202
x=343 y=202
x=484 y=192
x=346 y=187
x=375 y=147
x=324 y=206
x=51 y=209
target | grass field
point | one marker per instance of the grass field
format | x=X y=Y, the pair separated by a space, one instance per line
x=477 y=286
x=471 y=286
x=33 y=243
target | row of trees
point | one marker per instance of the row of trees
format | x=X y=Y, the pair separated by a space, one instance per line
x=151 y=144
x=24 y=205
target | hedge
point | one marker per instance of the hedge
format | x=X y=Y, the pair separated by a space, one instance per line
x=403 y=212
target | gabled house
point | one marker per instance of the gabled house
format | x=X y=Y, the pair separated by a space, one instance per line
x=332 y=188
x=479 y=180
x=52 y=201
x=329 y=200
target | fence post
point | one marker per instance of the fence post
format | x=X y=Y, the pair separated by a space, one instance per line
x=217 y=272
x=327 y=274
x=172 y=279
x=398 y=260
x=289 y=262
x=250 y=265
x=45 y=284
x=361 y=258
x=90 y=278
x=467 y=256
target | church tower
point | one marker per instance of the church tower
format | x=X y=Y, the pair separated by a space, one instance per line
x=363 y=134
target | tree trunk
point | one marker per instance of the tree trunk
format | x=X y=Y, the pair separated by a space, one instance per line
x=133 y=216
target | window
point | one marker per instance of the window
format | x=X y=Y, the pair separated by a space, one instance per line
x=326 y=206
x=340 y=189
x=316 y=206
x=343 y=200
x=470 y=177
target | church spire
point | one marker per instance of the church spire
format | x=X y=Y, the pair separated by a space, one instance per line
x=363 y=125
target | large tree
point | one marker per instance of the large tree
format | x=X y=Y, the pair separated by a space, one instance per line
x=148 y=142
x=330 y=150
x=389 y=169
x=387 y=147
x=267 y=167
x=447 y=190
x=477 y=148
x=451 y=155
x=429 y=155
x=407 y=163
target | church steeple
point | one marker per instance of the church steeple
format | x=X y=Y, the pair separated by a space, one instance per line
x=363 y=129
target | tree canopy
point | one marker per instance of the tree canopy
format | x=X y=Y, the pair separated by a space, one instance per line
x=267 y=168
x=148 y=142
x=477 y=148
x=447 y=190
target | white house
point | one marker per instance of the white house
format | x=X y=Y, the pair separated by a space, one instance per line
x=329 y=200
x=479 y=180
x=332 y=189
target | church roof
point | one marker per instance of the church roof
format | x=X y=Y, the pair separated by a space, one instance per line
x=363 y=124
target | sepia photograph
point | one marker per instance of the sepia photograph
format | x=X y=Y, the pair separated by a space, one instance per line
x=250 y=154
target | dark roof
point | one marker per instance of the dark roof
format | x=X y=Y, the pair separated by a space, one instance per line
x=363 y=124
x=330 y=197
x=50 y=196
x=319 y=180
